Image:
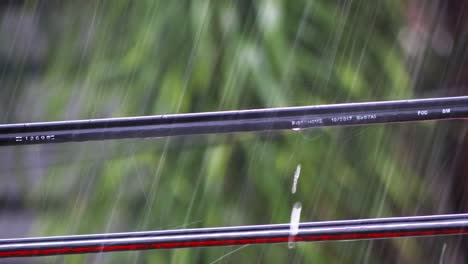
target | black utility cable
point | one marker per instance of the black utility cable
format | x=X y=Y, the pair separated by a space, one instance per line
x=377 y=228
x=287 y=118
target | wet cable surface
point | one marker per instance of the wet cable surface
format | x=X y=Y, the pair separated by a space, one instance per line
x=290 y=118
x=287 y=118
x=377 y=228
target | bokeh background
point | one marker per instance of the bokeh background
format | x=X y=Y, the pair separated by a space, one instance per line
x=62 y=60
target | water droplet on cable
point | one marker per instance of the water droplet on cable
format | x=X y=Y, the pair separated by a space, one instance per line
x=297 y=173
x=294 y=226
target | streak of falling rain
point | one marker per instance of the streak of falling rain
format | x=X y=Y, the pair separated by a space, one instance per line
x=148 y=197
x=230 y=84
x=194 y=193
x=302 y=61
x=86 y=88
x=98 y=258
x=364 y=48
x=186 y=78
x=331 y=59
x=285 y=78
x=138 y=174
x=247 y=180
x=10 y=107
x=228 y=254
x=442 y=254
x=140 y=43
x=82 y=196
x=153 y=190
x=193 y=53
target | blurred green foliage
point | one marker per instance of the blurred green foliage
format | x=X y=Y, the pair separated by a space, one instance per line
x=124 y=58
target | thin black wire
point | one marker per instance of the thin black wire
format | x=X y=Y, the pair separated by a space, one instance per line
x=287 y=118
